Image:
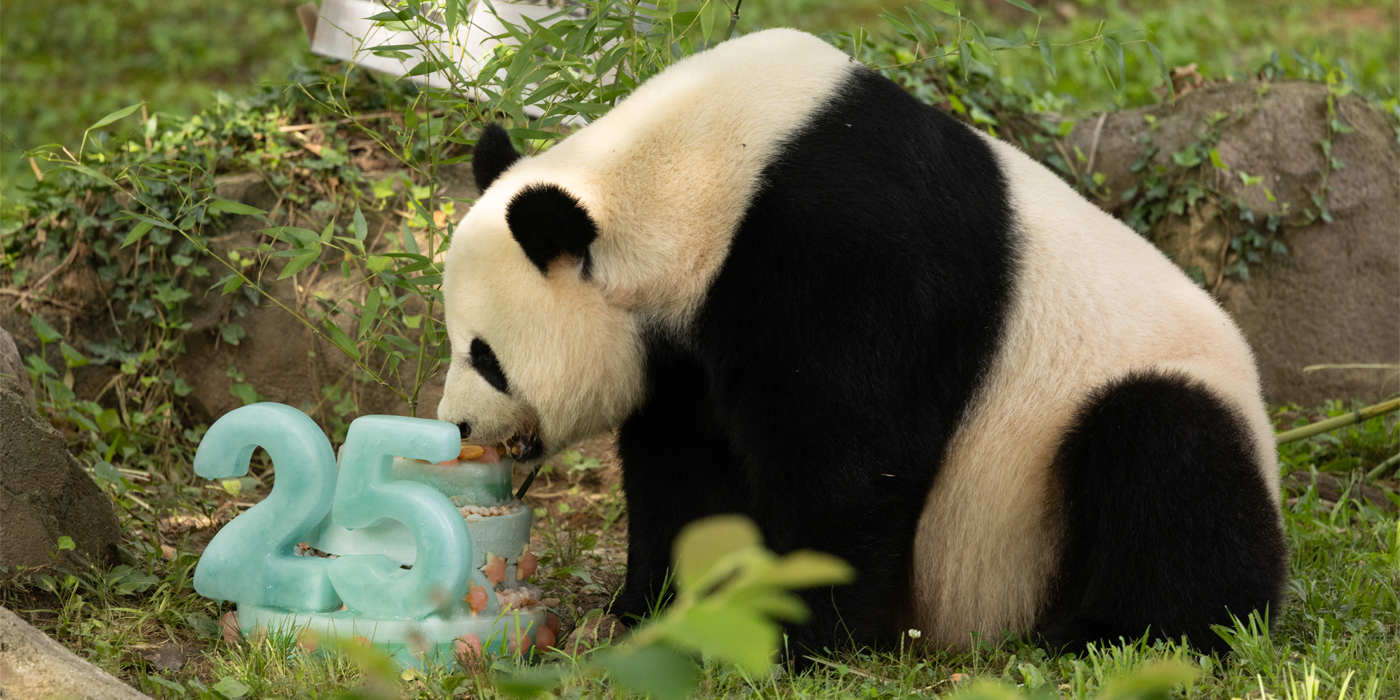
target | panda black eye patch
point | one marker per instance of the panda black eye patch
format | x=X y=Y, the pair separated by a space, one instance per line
x=485 y=363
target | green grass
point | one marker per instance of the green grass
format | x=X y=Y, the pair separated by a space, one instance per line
x=1230 y=39
x=1341 y=626
x=68 y=62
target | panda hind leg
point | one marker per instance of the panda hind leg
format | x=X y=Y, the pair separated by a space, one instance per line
x=1170 y=527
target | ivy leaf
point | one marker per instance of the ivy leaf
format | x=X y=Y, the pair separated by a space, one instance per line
x=657 y=670
x=700 y=545
x=65 y=542
x=742 y=637
x=530 y=683
x=246 y=392
x=232 y=333
x=231 y=688
x=42 y=328
x=107 y=472
x=71 y=356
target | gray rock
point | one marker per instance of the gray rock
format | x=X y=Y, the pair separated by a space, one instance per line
x=44 y=492
x=1335 y=298
x=12 y=374
x=32 y=666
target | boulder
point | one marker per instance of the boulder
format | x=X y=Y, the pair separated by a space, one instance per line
x=44 y=492
x=1335 y=297
x=34 y=667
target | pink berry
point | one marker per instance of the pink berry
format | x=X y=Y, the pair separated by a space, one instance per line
x=476 y=598
x=520 y=642
x=495 y=569
x=544 y=638
x=467 y=647
x=229 y=625
x=525 y=566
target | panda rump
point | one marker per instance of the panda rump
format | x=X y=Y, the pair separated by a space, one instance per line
x=798 y=293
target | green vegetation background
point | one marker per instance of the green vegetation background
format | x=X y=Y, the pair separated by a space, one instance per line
x=68 y=62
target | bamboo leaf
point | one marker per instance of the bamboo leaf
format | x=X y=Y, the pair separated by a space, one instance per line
x=1162 y=66
x=230 y=207
x=427 y=67
x=115 y=116
x=1047 y=56
x=140 y=230
x=149 y=220
x=1116 y=49
x=410 y=243
x=361 y=229
x=300 y=262
x=343 y=341
x=945 y=7
x=370 y=312
x=546 y=33
x=92 y=174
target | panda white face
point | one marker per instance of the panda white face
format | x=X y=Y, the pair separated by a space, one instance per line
x=540 y=358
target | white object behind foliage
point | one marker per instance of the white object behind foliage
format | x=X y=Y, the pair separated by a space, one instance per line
x=344 y=32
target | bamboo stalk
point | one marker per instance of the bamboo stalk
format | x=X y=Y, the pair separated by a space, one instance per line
x=1383 y=467
x=1330 y=424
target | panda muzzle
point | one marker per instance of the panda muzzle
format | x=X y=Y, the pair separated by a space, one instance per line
x=525 y=445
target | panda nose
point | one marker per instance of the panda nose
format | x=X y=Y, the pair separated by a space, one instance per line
x=464 y=428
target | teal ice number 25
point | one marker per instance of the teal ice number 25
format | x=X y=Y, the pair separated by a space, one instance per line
x=251 y=561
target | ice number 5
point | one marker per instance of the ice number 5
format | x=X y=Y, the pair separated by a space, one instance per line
x=372 y=583
x=251 y=559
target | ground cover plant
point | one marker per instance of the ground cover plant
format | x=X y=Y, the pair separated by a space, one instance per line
x=361 y=214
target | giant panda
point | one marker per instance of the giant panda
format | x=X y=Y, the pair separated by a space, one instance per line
x=800 y=294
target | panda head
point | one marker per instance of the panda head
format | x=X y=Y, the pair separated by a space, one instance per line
x=540 y=356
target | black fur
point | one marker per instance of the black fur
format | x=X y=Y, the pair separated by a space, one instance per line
x=863 y=295
x=492 y=156
x=548 y=222
x=1170 y=526
x=485 y=363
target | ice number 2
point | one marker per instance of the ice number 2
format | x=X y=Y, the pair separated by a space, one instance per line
x=252 y=561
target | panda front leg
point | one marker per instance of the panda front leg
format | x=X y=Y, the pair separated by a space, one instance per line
x=855 y=510
x=676 y=468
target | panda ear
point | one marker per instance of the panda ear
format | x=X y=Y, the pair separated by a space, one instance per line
x=548 y=222
x=492 y=156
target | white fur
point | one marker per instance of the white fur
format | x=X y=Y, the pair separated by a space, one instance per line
x=667 y=176
x=986 y=545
